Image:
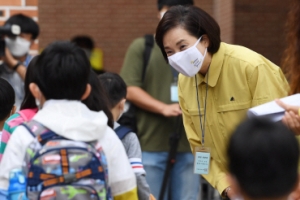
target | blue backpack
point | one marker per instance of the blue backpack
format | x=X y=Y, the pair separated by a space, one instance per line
x=122 y=131
x=59 y=168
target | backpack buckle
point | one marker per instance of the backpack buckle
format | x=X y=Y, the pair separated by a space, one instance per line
x=69 y=178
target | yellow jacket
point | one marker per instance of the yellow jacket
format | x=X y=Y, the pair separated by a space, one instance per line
x=238 y=79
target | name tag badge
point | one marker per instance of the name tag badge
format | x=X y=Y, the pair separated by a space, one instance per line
x=174 y=93
x=202 y=160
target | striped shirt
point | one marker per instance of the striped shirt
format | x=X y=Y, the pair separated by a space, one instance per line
x=11 y=124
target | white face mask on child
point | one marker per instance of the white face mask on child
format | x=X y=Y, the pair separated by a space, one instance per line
x=123 y=110
x=38 y=104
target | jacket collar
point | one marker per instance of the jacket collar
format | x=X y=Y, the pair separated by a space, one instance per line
x=214 y=69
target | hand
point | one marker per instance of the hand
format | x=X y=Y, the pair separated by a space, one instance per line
x=9 y=59
x=230 y=193
x=287 y=107
x=151 y=197
x=295 y=195
x=171 y=110
x=292 y=121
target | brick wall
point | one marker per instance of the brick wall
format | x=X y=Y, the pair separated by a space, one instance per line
x=224 y=14
x=113 y=24
x=27 y=7
x=260 y=26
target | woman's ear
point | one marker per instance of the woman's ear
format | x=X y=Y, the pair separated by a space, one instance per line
x=205 y=41
x=87 y=92
x=35 y=90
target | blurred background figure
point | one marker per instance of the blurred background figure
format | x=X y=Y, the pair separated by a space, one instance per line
x=94 y=54
x=16 y=56
x=151 y=87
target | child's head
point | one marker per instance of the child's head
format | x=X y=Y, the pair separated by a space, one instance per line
x=62 y=73
x=263 y=159
x=97 y=100
x=115 y=88
x=7 y=101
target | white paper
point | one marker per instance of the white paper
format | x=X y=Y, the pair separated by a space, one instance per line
x=272 y=110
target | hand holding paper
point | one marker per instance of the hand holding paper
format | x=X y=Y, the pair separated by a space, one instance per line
x=291 y=117
x=287 y=107
x=275 y=109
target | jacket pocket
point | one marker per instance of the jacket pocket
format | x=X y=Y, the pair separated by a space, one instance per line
x=230 y=116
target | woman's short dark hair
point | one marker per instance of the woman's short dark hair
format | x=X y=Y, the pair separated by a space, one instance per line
x=7 y=98
x=29 y=100
x=194 y=20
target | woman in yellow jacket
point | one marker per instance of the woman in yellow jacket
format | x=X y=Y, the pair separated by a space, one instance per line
x=218 y=83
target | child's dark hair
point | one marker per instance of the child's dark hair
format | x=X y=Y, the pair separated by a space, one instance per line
x=263 y=157
x=114 y=86
x=27 y=24
x=63 y=71
x=29 y=100
x=97 y=100
x=7 y=98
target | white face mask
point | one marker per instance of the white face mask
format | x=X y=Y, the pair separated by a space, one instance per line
x=18 y=46
x=122 y=111
x=189 y=61
x=38 y=104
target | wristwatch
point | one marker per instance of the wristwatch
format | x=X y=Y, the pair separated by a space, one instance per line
x=17 y=65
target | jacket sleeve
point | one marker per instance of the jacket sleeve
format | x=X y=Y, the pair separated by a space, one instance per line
x=217 y=175
x=132 y=194
x=9 y=126
x=266 y=84
x=121 y=178
x=14 y=154
x=134 y=153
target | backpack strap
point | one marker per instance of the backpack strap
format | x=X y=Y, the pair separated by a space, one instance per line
x=149 y=42
x=39 y=131
x=122 y=131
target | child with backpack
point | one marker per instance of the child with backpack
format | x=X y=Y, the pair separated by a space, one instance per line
x=27 y=111
x=263 y=160
x=68 y=151
x=115 y=88
x=96 y=102
x=7 y=101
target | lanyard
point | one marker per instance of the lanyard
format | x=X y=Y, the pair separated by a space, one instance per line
x=202 y=125
x=175 y=75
